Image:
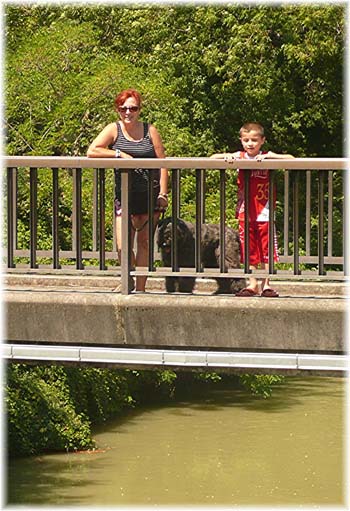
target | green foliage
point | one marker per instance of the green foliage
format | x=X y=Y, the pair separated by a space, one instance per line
x=223 y=65
x=261 y=384
x=40 y=412
x=52 y=408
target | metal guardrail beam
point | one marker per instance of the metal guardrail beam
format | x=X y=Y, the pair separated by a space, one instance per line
x=175 y=163
x=179 y=358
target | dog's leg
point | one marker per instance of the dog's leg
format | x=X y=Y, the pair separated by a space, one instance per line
x=186 y=284
x=170 y=284
x=224 y=286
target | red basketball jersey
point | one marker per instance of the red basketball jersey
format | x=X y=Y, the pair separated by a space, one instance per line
x=258 y=194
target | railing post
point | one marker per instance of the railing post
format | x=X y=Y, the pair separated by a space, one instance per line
x=151 y=206
x=296 y=223
x=330 y=215
x=95 y=210
x=308 y=214
x=11 y=205
x=320 y=240
x=101 y=218
x=77 y=218
x=286 y=214
x=126 y=233
x=271 y=221
x=199 y=218
x=175 y=213
x=246 y=221
x=222 y=241
x=33 y=215
x=346 y=222
x=55 y=237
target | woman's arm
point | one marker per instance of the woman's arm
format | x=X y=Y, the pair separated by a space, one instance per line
x=99 y=147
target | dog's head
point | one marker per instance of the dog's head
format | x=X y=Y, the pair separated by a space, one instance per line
x=164 y=238
x=164 y=235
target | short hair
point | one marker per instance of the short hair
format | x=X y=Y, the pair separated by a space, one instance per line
x=252 y=126
x=124 y=95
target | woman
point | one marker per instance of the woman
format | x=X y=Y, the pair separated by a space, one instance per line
x=131 y=138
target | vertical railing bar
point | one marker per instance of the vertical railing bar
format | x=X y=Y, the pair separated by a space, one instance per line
x=296 y=223
x=321 y=175
x=286 y=214
x=126 y=233
x=203 y=191
x=151 y=206
x=33 y=215
x=308 y=214
x=330 y=215
x=77 y=217
x=114 y=231
x=222 y=240
x=101 y=217
x=199 y=219
x=346 y=223
x=175 y=210
x=246 y=220
x=95 y=210
x=178 y=195
x=271 y=221
x=14 y=203
x=10 y=218
x=74 y=210
x=55 y=235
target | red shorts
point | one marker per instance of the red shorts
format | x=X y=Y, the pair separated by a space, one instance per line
x=258 y=243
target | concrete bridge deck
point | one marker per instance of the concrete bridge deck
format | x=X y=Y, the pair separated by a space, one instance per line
x=86 y=313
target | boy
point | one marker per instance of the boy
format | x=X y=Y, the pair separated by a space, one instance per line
x=252 y=138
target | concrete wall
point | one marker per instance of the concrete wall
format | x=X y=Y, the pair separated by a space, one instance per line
x=100 y=317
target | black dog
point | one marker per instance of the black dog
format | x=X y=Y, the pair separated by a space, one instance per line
x=210 y=251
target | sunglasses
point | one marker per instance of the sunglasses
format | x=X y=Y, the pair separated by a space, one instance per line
x=124 y=109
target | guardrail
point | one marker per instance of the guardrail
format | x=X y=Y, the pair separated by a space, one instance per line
x=318 y=175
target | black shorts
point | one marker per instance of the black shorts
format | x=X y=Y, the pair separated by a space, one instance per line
x=138 y=203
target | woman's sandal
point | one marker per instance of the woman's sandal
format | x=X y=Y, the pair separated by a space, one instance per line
x=247 y=292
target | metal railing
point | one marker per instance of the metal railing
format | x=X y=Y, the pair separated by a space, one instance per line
x=317 y=175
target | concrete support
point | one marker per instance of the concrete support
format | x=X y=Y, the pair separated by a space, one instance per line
x=99 y=317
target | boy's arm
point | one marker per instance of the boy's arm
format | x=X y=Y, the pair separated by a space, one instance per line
x=226 y=156
x=274 y=156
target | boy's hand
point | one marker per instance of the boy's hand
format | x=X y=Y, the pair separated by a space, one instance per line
x=261 y=157
x=229 y=157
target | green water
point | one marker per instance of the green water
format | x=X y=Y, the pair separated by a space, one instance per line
x=224 y=447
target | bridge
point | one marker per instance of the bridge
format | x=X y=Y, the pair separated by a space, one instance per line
x=74 y=315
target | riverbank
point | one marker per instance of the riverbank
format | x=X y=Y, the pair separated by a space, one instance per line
x=53 y=408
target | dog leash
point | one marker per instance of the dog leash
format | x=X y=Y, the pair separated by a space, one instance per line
x=138 y=229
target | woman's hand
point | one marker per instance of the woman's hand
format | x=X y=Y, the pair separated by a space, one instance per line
x=162 y=201
x=125 y=155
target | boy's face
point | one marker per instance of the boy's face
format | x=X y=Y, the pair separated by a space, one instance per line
x=252 y=142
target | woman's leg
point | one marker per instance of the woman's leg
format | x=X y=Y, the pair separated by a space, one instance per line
x=140 y=223
x=118 y=231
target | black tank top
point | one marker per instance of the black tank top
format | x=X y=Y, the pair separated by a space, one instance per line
x=137 y=149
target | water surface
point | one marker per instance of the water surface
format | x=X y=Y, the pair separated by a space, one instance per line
x=224 y=447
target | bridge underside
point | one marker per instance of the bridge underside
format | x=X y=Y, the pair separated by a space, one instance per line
x=93 y=325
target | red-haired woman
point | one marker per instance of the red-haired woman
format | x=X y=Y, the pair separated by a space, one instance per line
x=131 y=138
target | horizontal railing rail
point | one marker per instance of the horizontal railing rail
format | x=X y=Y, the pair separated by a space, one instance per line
x=317 y=175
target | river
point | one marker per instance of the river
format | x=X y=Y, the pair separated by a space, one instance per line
x=222 y=447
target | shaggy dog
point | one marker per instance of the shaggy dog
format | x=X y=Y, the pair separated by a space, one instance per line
x=210 y=251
